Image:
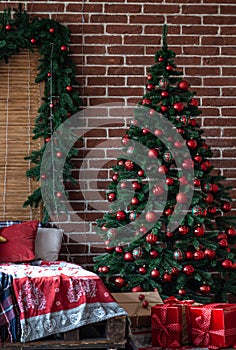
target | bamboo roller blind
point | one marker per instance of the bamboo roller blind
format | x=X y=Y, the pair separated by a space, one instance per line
x=20 y=98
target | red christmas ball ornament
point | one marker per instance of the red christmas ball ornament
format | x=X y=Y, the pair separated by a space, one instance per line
x=226 y=207
x=231 y=232
x=47 y=139
x=205 y=289
x=33 y=40
x=198 y=255
x=51 y=30
x=227 y=264
x=209 y=198
x=178 y=106
x=183 y=180
x=222 y=235
x=182 y=291
x=120 y=162
x=151 y=238
x=193 y=122
x=141 y=173
x=193 y=102
x=178 y=144
x=204 y=166
x=115 y=177
x=183 y=85
x=145 y=304
x=199 y=231
x=119 y=249
x=136 y=185
x=197 y=182
x=198 y=158
x=63 y=48
x=111 y=197
x=223 y=243
x=149 y=77
x=189 y=255
x=167 y=277
x=141 y=297
x=128 y=256
x=180 y=130
x=212 y=210
x=188 y=270
x=146 y=101
x=129 y=165
x=120 y=215
x=162 y=169
x=169 y=181
x=109 y=249
x=164 y=93
x=133 y=216
x=169 y=67
x=49 y=74
x=125 y=140
x=209 y=254
x=150 y=87
x=152 y=112
x=174 y=270
x=183 y=230
x=59 y=194
x=169 y=234
x=134 y=201
x=164 y=108
x=181 y=198
x=188 y=164
x=160 y=59
x=155 y=273
x=137 y=289
x=153 y=153
x=143 y=230
x=119 y=282
x=168 y=211
x=145 y=131
x=142 y=270
x=215 y=188
x=43 y=176
x=158 y=132
x=158 y=190
x=8 y=27
x=105 y=269
x=69 y=88
x=151 y=216
x=192 y=144
x=153 y=254
x=123 y=185
x=51 y=105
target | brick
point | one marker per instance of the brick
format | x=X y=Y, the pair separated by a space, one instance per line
x=217 y=20
x=104 y=39
x=161 y=8
x=105 y=60
x=149 y=18
x=218 y=40
x=111 y=81
x=123 y=91
x=201 y=50
x=104 y=18
x=202 y=9
x=124 y=29
x=126 y=50
x=229 y=132
x=171 y=19
x=113 y=8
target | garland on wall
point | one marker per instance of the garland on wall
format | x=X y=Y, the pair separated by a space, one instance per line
x=57 y=71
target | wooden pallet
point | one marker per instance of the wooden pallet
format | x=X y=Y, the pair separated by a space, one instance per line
x=110 y=334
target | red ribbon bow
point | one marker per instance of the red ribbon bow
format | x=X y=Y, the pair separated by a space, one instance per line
x=165 y=331
x=174 y=300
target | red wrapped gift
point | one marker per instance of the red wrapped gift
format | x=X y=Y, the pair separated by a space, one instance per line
x=213 y=325
x=169 y=323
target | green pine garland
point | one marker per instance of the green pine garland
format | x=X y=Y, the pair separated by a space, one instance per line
x=57 y=71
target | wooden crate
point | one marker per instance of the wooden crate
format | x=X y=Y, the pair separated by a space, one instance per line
x=110 y=334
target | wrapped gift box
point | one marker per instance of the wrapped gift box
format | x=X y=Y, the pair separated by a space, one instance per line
x=213 y=325
x=139 y=316
x=169 y=323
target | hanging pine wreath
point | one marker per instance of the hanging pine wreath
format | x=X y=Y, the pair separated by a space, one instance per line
x=56 y=70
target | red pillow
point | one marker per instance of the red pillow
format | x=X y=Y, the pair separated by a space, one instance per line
x=20 y=242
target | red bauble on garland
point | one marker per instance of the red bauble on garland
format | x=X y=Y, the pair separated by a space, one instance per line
x=231 y=231
x=153 y=153
x=129 y=165
x=178 y=106
x=198 y=255
x=151 y=216
x=205 y=289
x=151 y=238
x=142 y=270
x=119 y=249
x=120 y=215
x=158 y=190
x=199 y=231
x=183 y=85
x=111 y=197
x=119 y=282
x=155 y=273
x=210 y=253
x=181 y=198
x=188 y=270
x=167 y=277
x=153 y=254
x=192 y=144
x=226 y=207
x=128 y=256
x=183 y=230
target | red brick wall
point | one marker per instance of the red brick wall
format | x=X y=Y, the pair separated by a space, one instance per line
x=113 y=44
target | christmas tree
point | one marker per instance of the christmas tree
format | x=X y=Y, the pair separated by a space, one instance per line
x=169 y=227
